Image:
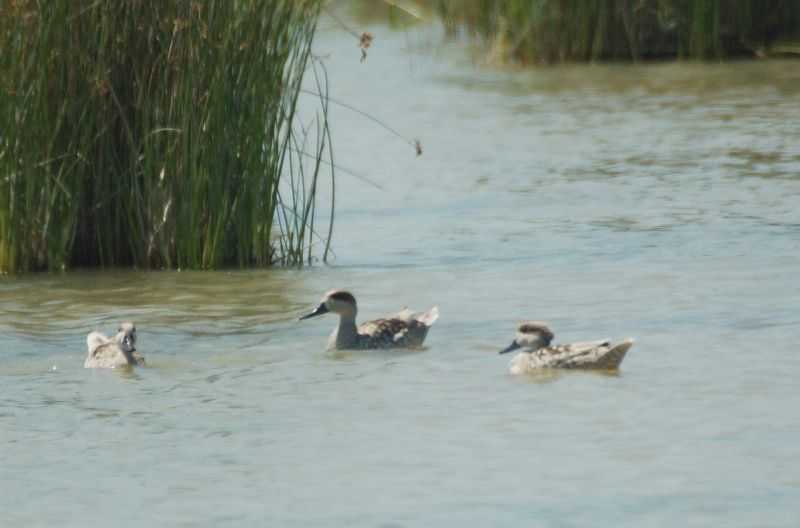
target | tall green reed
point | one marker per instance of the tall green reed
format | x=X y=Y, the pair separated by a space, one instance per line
x=549 y=31
x=157 y=133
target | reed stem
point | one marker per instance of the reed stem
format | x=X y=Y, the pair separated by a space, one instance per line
x=545 y=31
x=156 y=133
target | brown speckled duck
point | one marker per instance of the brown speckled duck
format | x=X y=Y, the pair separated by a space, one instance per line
x=535 y=338
x=113 y=353
x=402 y=330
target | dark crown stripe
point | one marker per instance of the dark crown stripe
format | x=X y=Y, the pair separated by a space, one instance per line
x=530 y=328
x=343 y=296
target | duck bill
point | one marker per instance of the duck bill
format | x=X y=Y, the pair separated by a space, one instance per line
x=321 y=309
x=509 y=348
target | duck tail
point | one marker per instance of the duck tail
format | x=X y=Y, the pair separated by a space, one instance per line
x=94 y=340
x=615 y=355
x=429 y=317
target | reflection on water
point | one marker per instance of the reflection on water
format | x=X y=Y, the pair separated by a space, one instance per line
x=658 y=202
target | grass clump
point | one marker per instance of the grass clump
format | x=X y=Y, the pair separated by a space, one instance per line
x=156 y=133
x=552 y=31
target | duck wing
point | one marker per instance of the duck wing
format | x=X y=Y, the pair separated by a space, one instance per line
x=584 y=347
x=429 y=317
x=107 y=355
x=585 y=355
x=392 y=333
x=95 y=340
x=382 y=333
x=610 y=358
x=567 y=354
x=408 y=315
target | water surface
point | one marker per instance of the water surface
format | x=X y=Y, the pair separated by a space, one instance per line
x=656 y=201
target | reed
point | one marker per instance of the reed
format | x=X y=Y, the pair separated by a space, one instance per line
x=157 y=133
x=551 y=31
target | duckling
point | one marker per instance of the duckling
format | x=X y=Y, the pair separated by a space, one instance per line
x=535 y=338
x=402 y=330
x=113 y=353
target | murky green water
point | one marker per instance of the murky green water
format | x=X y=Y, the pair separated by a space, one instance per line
x=659 y=202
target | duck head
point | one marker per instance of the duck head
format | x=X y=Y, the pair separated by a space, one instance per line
x=335 y=301
x=126 y=336
x=531 y=336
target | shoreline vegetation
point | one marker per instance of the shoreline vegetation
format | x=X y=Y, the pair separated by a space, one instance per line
x=159 y=134
x=552 y=32
x=166 y=135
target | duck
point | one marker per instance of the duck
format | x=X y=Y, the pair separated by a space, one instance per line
x=535 y=339
x=113 y=353
x=404 y=329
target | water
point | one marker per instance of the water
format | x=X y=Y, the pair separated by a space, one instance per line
x=659 y=202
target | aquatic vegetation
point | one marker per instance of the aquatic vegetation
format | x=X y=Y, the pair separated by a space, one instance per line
x=584 y=30
x=159 y=134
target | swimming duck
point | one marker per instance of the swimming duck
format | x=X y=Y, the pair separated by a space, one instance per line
x=535 y=338
x=113 y=353
x=402 y=330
